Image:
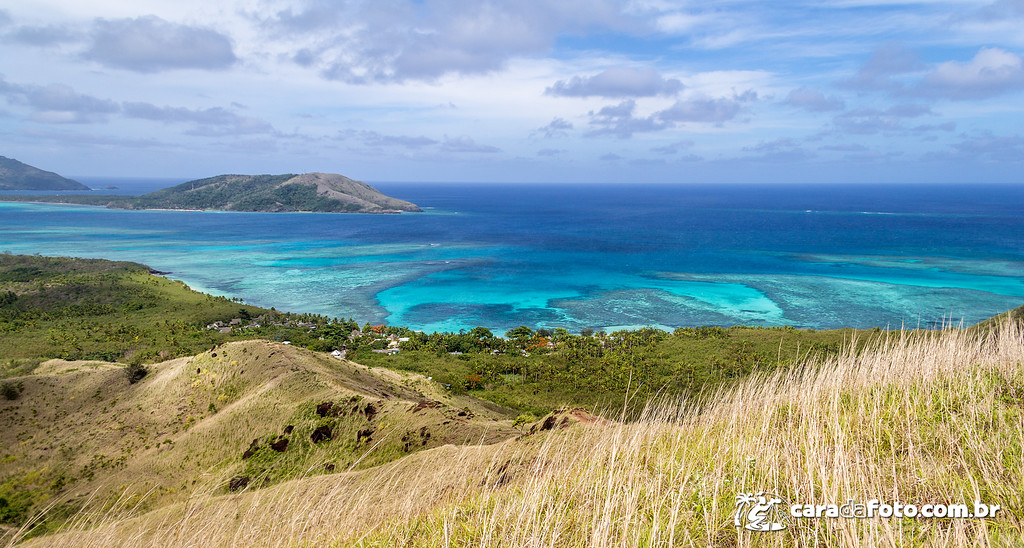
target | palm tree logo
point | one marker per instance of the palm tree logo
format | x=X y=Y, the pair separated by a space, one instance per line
x=759 y=512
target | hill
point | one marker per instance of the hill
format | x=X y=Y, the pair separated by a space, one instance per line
x=92 y=309
x=15 y=175
x=1015 y=315
x=319 y=192
x=920 y=420
x=243 y=414
x=323 y=192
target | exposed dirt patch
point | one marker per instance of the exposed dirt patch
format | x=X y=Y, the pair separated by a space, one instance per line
x=280 y=445
x=238 y=483
x=564 y=418
x=329 y=409
x=366 y=433
x=427 y=404
x=322 y=433
x=253 y=447
x=586 y=417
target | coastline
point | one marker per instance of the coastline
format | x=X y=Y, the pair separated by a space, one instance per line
x=497 y=256
x=102 y=206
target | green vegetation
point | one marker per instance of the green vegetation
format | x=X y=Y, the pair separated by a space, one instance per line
x=11 y=390
x=135 y=372
x=1015 y=315
x=538 y=371
x=15 y=175
x=91 y=309
x=318 y=192
x=81 y=309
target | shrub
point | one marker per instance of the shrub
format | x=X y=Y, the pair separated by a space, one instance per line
x=135 y=372
x=10 y=390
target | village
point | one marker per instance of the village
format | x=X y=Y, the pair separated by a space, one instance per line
x=380 y=338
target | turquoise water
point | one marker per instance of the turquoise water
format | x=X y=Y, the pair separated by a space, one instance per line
x=575 y=256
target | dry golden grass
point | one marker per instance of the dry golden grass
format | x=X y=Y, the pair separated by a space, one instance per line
x=923 y=419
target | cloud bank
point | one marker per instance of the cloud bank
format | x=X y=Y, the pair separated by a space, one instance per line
x=151 y=44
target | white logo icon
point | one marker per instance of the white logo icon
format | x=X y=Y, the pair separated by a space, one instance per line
x=759 y=512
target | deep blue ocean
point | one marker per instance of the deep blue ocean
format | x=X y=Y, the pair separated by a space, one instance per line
x=575 y=256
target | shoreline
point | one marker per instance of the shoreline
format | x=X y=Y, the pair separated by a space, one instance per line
x=54 y=202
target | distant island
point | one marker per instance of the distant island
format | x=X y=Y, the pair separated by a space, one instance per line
x=316 y=192
x=15 y=175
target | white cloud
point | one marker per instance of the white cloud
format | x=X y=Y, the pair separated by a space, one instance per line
x=548 y=152
x=46 y=35
x=58 y=103
x=887 y=62
x=707 y=109
x=870 y=121
x=212 y=121
x=674 y=148
x=813 y=100
x=377 y=139
x=151 y=44
x=779 y=150
x=619 y=120
x=406 y=40
x=998 y=22
x=466 y=144
x=987 y=147
x=991 y=72
x=617 y=82
x=558 y=127
x=679 y=23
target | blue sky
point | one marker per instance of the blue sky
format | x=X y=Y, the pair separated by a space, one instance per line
x=589 y=91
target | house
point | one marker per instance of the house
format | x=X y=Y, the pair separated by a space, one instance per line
x=225 y=330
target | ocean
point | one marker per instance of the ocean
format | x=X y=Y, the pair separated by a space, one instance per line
x=601 y=256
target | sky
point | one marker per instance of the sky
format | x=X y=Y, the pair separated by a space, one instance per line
x=518 y=91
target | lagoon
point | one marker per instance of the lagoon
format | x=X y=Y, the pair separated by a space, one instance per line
x=577 y=255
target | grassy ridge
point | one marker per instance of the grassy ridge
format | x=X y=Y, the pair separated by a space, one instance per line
x=91 y=309
x=245 y=414
x=936 y=419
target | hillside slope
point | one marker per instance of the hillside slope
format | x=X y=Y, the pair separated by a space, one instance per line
x=920 y=420
x=15 y=175
x=244 y=414
x=323 y=192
